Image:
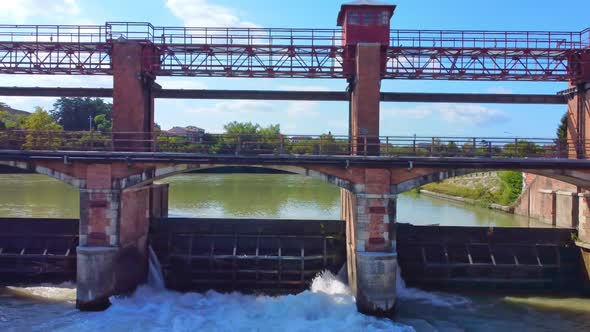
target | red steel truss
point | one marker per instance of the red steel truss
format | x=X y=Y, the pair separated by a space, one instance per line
x=300 y=53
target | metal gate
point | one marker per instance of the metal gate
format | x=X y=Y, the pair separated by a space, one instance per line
x=271 y=256
x=38 y=250
x=512 y=258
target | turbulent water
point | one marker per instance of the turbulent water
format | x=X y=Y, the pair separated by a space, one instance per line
x=326 y=306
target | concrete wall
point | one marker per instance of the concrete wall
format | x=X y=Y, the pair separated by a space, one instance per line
x=548 y=200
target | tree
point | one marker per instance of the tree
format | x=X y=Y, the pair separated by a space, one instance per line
x=76 y=113
x=241 y=128
x=41 y=131
x=102 y=123
x=562 y=129
x=562 y=134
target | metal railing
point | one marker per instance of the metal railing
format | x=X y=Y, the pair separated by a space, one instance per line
x=547 y=40
x=301 y=53
x=460 y=39
x=324 y=145
x=56 y=34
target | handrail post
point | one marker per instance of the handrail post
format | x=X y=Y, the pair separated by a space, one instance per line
x=320 y=150
x=282 y=150
x=474 y=147
x=414 y=145
x=516 y=147
x=387 y=145
x=238 y=144
x=365 y=144
x=432 y=147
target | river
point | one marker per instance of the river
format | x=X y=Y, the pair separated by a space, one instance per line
x=326 y=306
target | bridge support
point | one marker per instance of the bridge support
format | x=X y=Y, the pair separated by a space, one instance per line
x=366 y=87
x=584 y=235
x=371 y=254
x=114 y=225
x=579 y=121
x=133 y=99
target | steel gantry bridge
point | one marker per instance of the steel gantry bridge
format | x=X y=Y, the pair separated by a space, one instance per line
x=296 y=53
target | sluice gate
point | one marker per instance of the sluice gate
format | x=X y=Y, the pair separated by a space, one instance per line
x=38 y=250
x=283 y=256
x=482 y=257
x=271 y=256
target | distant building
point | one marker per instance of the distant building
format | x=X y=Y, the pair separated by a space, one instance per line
x=193 y=134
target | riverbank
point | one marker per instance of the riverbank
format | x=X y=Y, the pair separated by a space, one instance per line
x=494 y=206
x=494 y=190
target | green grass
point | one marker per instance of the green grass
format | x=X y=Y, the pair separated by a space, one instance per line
x=510 y=184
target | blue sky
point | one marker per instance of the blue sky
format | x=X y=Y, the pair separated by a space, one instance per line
x=318 y=117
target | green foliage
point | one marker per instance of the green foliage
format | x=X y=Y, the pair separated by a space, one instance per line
x=242 y=128
x=168 y=143
x=562 y=129
x=523 y=149
x=511 y=187
x=245 y=137
x=11 y=121
x=42 y=131
x=102 y=123
x=509 y=183
x=75 y=113
x=478 y=192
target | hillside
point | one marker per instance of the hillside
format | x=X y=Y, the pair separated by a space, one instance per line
x=11 y=111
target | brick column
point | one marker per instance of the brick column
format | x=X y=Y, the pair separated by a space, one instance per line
x=365 y=99
x=578 y=123
x=133 y=101
x=114 y=225
x=369 y=213
x=584 y=235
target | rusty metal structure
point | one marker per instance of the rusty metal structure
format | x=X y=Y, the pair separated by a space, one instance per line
x=288 y=145
x=38 y=250
x=495 y=257
x=296 y=53
x=274 y=256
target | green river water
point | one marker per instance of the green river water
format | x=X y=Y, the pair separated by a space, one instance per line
x=286 y=197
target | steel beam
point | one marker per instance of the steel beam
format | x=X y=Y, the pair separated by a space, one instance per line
x=295 y=95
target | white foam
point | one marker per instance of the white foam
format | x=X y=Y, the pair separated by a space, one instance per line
x=328 y=306
x=155 y=276
x=438 y=299
x=65 y=292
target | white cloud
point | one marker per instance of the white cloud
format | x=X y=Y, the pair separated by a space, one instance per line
x=303 y=110
x=20 y=10
x=201 y=13
x=234 y=108
x=63 y=81
x=500 y=90
x=468 y=114
x=181 y=83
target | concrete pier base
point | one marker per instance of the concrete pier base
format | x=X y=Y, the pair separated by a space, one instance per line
x=96 y=279
x=585 y=253
x=376 y=283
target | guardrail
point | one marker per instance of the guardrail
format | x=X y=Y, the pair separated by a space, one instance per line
x=264 y=144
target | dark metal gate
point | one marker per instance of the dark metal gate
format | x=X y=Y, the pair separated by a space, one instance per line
x=513 y=258
x=271 y=256
x=38 y=250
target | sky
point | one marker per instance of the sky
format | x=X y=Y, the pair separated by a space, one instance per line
x=311 y=118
